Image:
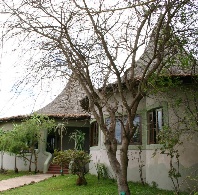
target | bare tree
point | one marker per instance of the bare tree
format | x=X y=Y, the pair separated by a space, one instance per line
x=99 y=42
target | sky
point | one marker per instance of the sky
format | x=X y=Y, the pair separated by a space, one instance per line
x=26 y=98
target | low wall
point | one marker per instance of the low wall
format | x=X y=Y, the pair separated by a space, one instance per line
x=155 y=169
x=22 y=165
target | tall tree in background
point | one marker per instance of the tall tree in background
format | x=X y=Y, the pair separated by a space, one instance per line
x=99 y=42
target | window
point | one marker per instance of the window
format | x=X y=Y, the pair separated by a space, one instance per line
x=155 y=124
x=94 y=134
x=118 y=129
x=136 y=139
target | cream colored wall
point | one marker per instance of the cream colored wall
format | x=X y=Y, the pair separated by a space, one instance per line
x=100 y=156
x=8 y=163
x=157 y=167
x=7 y=125
x=116 y=98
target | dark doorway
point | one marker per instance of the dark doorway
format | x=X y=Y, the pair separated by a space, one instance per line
x=54 y=139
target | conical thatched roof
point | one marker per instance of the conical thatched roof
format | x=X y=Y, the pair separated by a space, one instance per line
x=176 y=60
x=67 y=103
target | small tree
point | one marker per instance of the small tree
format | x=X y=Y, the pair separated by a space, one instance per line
x=24 y=137
x=11 y=144
x=61 y=129
x=76 y=160
x=14 y=145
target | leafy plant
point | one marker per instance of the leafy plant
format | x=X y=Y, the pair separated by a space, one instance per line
x=154 y=184
x=79 y=139
x=102 y=171
x=170 y=139
x=23 y=138
x=76 y=159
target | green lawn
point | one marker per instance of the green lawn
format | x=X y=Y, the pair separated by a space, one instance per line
x=66 y=185
x=11 y=174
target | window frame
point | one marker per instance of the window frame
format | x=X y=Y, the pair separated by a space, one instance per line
x=121 y=130
x=140 y=132
x=94 y=135
x=153 y=124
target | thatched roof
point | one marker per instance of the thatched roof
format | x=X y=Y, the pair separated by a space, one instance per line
x=176 y=60
x=67 y=103
x=65 y=106
x=55 y=116
x=14 y=118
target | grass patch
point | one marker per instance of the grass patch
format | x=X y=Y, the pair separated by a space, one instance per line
x=66 y=185
x=12 y=174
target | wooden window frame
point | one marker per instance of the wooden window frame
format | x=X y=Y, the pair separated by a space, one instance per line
x=121 y=130
x=153 y=124
x=94 y=134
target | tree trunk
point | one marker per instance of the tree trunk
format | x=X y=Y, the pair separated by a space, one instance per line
x=2 y=160
x=123 y=187
x=122 y=177
x=35 y=161
x=15 y=164
x=30 y=163
x=81 y=180
x=119 y=168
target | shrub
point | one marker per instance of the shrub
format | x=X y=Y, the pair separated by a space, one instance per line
x=77 y=160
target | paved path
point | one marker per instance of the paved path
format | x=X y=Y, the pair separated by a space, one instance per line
x=23 y=180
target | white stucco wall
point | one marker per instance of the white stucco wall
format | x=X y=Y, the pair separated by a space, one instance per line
x=156 y=167
x=9 y=161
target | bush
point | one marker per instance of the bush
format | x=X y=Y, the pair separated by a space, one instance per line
x=77 y=160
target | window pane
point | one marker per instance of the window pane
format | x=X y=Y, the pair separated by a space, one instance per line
x=155 y=123
x=159 y=119
x=136 y=121
x=94 y=134
x=136 y=137
x=118 y=131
